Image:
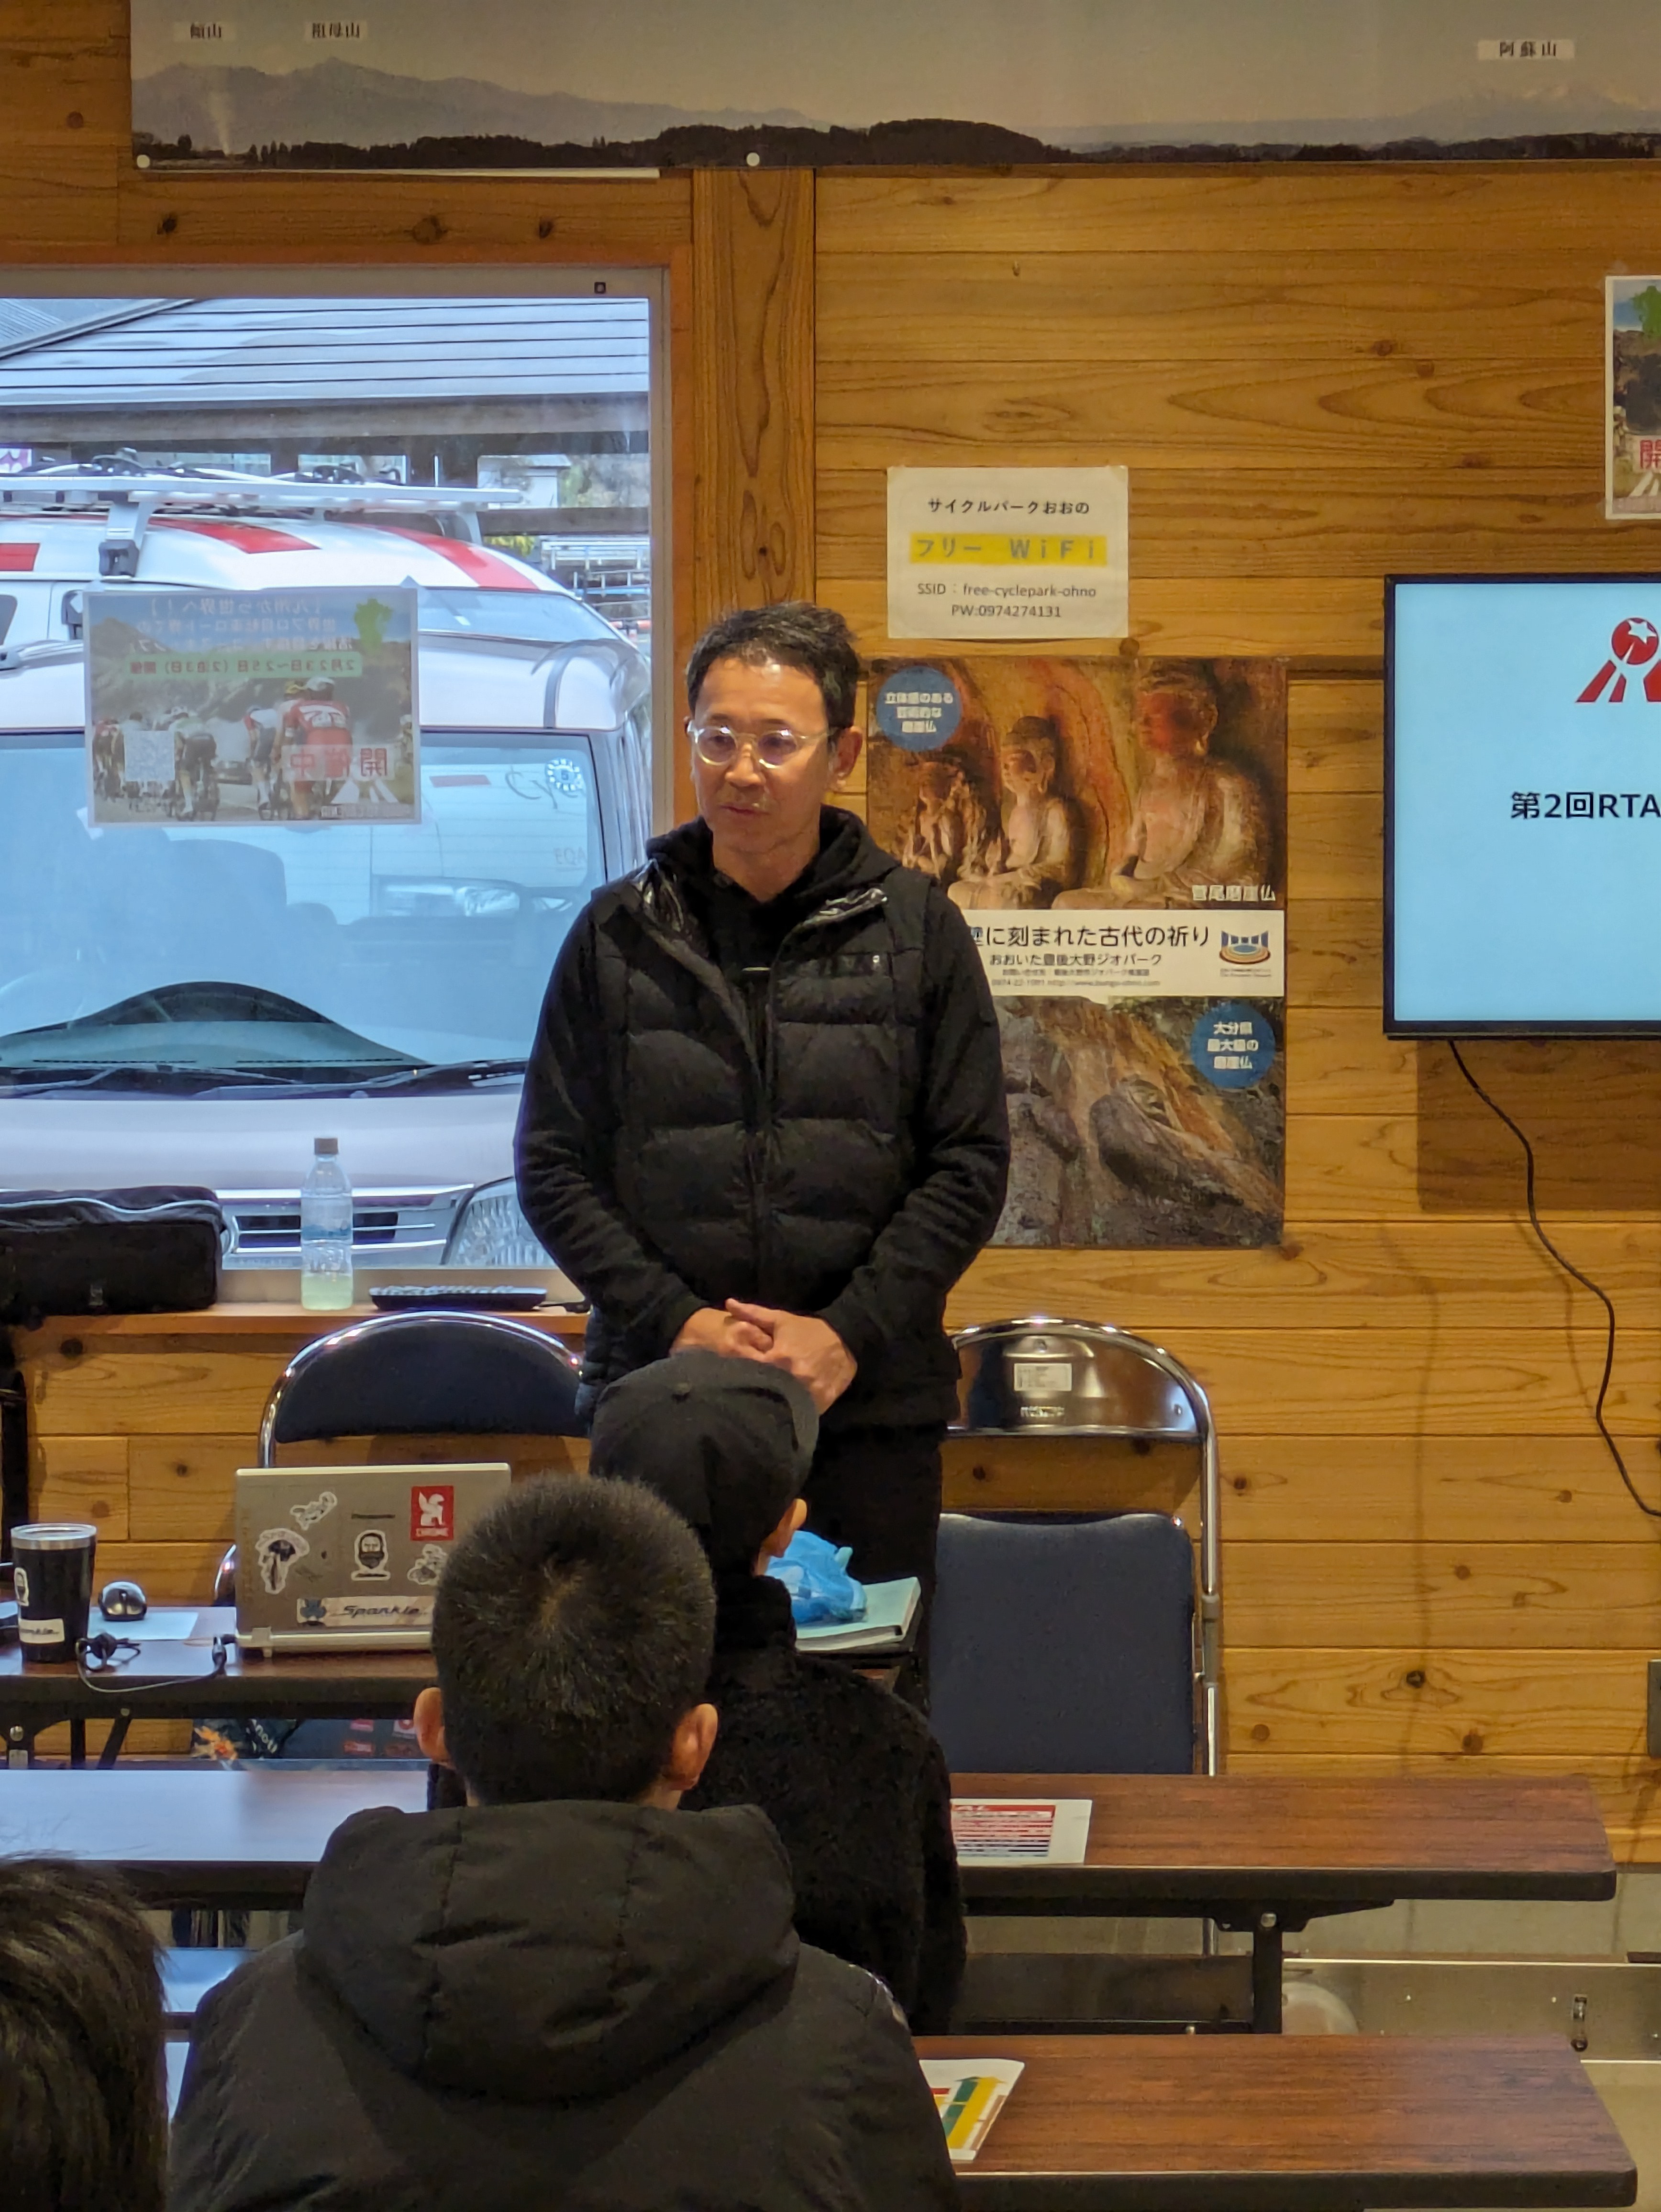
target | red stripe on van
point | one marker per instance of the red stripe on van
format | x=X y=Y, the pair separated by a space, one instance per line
x=17 y=559
x=246 y=536
x=484 y=567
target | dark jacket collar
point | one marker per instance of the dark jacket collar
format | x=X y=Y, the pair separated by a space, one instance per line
x=849 y=859
x=542 y=1952
x=753 y=1613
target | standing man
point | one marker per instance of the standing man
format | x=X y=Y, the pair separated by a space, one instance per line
x=764 y=1113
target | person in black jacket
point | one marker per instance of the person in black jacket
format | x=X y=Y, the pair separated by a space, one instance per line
x=568 y=1993
x=765 y=1113
x=850 y=1777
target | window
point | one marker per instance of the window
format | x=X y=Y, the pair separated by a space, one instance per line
x=242 y=958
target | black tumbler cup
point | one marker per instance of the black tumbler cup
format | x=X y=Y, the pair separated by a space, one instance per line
x=52 y=1568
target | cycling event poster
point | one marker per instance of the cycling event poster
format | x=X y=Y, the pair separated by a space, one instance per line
x=1114 y=832
x=245 y=707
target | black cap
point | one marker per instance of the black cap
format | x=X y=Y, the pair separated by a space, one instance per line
x=727 y=1442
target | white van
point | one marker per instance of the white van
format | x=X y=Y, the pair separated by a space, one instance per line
x=195 y=1002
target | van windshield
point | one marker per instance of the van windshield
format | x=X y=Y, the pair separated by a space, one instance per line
x=359 y=948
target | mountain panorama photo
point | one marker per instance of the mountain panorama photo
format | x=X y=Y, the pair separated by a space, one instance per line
x=653 y=84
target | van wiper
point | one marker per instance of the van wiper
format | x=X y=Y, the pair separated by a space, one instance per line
x=28 y=1080
x=409 y=1082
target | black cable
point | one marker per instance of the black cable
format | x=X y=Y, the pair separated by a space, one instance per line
x=108 y=1663
x=1569 y=1268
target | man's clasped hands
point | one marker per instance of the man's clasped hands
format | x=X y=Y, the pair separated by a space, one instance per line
x=803 y=1346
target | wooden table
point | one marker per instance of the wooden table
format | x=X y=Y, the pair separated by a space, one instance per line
x=1272 y=1852
x=166 y=1680
x=210 y=1838
x=1299 y=2123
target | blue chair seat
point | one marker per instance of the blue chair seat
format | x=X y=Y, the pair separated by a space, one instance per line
x=1064 y=1644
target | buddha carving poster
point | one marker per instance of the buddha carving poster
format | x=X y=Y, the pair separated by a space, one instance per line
x=1114 y=833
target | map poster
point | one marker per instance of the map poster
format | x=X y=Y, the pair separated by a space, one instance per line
x=1010 y=554
x=1114 y=832
x=244 y=707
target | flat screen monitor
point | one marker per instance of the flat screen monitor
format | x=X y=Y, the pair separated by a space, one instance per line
x=1522 y=805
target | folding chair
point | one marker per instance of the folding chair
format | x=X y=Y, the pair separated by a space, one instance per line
x=1078 y=1643
x=423 y=1373
x=1083 y=1643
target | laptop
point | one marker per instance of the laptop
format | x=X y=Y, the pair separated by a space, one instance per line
x=347 y=1558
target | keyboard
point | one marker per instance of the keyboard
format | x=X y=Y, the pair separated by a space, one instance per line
x=459 y=1297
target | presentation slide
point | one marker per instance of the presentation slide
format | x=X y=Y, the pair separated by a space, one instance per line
x=1524 y=804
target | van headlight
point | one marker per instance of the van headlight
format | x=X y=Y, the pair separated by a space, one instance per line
x=490 y=1232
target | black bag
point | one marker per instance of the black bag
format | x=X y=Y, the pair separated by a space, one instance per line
x=150 y=1250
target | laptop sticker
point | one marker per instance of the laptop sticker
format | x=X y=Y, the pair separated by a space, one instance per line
x=429 y=1566
x=433 y=1513
x=276 y=1551
x=369 y=1549
x=307 y=1517
x=388 y=1611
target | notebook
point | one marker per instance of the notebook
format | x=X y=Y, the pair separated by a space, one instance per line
x=347 y=1558
x=891 y=1612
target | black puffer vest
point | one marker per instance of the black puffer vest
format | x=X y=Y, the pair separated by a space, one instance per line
x=766 y=1170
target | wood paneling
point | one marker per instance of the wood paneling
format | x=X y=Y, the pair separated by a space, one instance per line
x=1314 y=384
x=81 y=1478
x=753 y=311
x=1607 y=210
x=1446 y=1705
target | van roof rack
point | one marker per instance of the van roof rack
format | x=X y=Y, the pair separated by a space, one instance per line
x=132 y=491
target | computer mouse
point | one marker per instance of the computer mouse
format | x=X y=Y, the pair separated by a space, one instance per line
x=122 y=1602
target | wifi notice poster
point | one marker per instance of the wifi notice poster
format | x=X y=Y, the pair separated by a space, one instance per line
x=1113 y=832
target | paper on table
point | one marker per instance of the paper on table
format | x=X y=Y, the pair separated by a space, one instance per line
x=161 y=1625
x=1021 y=1830
x=968 y=2094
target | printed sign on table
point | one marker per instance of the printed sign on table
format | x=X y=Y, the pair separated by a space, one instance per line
x=1114 y=832
x=1021 y=1832
x=230 y=707
x=1032 y=553
x=968 y=2094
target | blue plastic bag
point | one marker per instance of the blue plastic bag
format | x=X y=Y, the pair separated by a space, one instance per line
x=821 y=1589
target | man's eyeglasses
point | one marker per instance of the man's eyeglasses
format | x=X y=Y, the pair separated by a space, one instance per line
x=717 y=746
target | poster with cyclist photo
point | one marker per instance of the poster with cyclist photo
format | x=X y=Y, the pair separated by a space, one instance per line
x=245 y=707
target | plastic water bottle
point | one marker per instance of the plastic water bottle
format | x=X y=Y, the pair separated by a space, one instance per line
x=326 y=1231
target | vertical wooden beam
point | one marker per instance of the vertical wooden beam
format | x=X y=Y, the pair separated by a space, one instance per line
x=752 y=291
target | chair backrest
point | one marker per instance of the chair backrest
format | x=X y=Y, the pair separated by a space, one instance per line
x=424 y=1373
x=1064 y=1645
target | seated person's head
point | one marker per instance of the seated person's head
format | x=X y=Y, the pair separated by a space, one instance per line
x=572 y=1634
x=728 y=1442
x=83 y=2123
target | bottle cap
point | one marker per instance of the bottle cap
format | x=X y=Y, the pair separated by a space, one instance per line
x=326 y=1148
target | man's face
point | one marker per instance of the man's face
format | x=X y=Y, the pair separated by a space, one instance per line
x=1173 y=723
x=751 y=810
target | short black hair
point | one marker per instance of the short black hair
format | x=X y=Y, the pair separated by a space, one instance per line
x=83 y=2120
x=795 y=634
x=572 y=1633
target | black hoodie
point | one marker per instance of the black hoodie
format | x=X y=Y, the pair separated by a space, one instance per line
x=557 y=2005
x=800 y=1102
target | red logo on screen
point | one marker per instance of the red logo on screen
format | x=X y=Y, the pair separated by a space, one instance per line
x=1632 y=644
x=432 y=1513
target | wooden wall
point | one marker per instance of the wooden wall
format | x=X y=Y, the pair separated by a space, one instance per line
x=1318 y=374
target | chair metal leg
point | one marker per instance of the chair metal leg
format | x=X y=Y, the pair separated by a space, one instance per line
x=1267 y=1964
